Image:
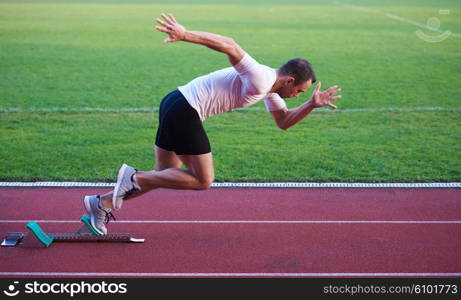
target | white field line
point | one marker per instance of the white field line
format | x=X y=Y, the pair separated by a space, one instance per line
x=250 y=221
x=155 y=109
x=395 y=17
x=253 y=184
x=94 y=274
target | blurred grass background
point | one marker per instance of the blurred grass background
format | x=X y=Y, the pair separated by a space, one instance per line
x=106 y=54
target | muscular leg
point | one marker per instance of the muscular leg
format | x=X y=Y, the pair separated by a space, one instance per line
x=198 y=176
x=168 y=174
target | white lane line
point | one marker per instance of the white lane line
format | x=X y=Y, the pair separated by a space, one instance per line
x=254 y=221
x=395 y=17
x=254 y=184
x=78 y=109
x=104 y=274
x=155 y=109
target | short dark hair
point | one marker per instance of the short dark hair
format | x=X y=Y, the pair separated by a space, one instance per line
x=300 y=69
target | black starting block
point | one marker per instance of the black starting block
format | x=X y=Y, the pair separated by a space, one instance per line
x=85 y=233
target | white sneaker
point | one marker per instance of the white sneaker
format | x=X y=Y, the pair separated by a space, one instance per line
x=125 y=186
x=99 y=215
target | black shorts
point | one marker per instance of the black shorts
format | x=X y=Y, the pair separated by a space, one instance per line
x=180 y=128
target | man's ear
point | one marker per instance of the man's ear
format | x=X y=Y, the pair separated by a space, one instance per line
x=286 y=81
x=289 y=80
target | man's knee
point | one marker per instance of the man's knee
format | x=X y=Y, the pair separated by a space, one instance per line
x=205 y=183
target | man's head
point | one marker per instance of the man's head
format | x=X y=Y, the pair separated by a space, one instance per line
x=294 y=77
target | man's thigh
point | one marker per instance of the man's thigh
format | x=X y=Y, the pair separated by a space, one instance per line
x=165 y=159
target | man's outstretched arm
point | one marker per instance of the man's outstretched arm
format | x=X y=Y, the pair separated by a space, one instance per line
x=285 y=118
x=177 y=32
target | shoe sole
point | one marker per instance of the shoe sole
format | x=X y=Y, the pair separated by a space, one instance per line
x=117 y=187
x=86 y=201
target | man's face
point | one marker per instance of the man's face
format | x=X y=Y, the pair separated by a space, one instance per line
x=291 y=90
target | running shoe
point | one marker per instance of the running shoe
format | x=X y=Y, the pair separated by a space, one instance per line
x=99 y=215
x=125 y=185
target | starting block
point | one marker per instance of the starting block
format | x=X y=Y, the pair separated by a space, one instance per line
x=85 y=233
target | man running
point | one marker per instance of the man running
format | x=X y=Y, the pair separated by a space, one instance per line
x=181 y=138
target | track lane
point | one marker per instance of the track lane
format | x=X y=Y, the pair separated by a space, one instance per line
x=244 y=204
x=236 y=248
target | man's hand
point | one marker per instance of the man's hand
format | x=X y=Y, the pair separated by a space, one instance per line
x=320 y=99
x=176 y=32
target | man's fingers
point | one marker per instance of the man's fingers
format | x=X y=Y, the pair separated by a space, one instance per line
x=317 y=88
x=173 y=18
x=167 y=19
x=332 y=105
x=334 y=90
x=335 y=98
x=161 y=22
x=161 y=29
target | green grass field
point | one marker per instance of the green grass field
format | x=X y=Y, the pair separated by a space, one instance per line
x=398 y=120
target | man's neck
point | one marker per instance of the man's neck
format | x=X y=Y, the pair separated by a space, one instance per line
x=276 y=86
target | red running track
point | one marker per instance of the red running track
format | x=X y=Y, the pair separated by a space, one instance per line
x=251 y=232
